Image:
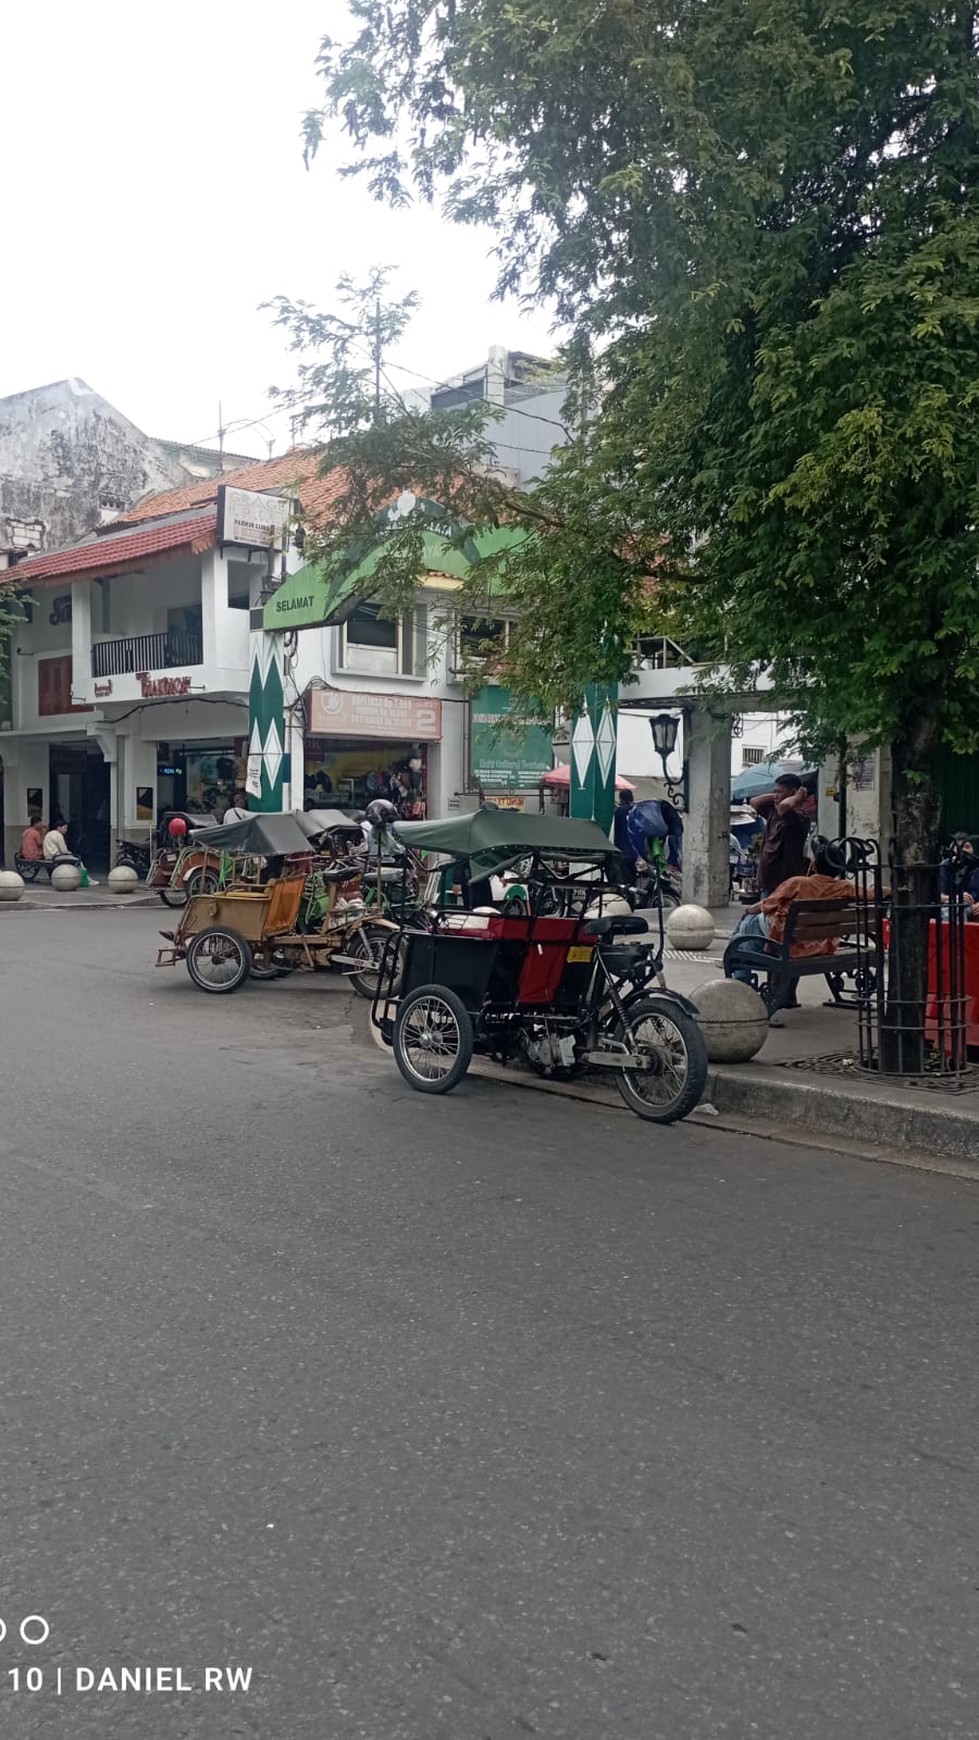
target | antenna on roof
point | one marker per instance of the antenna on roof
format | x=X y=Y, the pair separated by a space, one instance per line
x=220 y=430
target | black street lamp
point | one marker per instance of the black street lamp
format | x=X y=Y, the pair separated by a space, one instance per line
x=664 y=727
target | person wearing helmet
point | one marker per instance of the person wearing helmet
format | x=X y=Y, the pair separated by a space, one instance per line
x=380 y=817
x=767 y=919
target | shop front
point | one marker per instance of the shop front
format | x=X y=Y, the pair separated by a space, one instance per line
x=360 y=746
x=200 y=777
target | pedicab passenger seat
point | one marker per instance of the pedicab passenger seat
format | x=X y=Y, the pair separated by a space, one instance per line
x=284 y=905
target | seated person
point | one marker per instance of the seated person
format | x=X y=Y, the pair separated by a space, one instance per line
x=767 y=919
x=55 y=848
x=32 y=840
x=959 y=877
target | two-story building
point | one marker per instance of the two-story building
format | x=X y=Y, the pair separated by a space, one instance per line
x=130 y=675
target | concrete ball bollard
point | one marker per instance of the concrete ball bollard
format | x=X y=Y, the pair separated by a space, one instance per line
x=732 y=1018
x=66 y=878
x=11 y=885
x=123 y=879
x=690 y=927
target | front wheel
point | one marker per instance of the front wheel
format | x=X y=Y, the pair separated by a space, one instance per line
x=433 y=1039
x=671 y=1043
x=219 y=960
x=173 y=897
x=367 y=944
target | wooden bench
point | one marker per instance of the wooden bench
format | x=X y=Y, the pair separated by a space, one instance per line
x=807 y=921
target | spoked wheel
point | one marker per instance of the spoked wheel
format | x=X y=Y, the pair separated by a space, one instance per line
x=433 y=1039
x=202 y=882
x=368 y=945
x=672 y=1043
x=219 y=960
x=173 y=897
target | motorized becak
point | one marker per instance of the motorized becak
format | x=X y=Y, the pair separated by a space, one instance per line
x=298 y=912
x=566 y=991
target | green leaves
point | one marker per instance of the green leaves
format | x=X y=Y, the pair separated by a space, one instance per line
x=768 y=219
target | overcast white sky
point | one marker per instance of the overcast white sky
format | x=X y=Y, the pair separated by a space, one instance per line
x=155 y=194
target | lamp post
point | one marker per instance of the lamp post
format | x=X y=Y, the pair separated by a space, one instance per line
x=665 y=728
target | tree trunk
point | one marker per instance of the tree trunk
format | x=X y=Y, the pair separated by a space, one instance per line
x=916 y=823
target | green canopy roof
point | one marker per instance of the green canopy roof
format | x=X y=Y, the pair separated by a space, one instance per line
x=308 y=600
x=494 y=838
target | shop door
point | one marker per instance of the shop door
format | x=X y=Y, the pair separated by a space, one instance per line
x=96 y=842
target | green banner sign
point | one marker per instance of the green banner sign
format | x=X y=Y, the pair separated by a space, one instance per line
x=505 y=757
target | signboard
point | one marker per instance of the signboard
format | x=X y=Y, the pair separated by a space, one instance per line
x=159 y=688
x=245 y=516
x=352 y=713
x=304 y=600
x=504 y=757
x=253 y=777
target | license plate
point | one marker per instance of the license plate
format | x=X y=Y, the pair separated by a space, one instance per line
x=576 y=956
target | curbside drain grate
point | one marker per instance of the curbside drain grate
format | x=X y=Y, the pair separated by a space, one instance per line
x=846 y=1064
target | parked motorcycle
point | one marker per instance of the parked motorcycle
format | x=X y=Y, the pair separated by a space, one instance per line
x=133 y=856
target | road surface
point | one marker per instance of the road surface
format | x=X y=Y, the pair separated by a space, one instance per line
x=461 y=1419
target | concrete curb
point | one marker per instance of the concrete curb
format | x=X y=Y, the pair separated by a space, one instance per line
x=860 y=1110
x=839 y=1119
x=106 y=903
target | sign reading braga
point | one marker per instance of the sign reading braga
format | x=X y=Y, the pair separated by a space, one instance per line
x=355 y=713
x=245 y=516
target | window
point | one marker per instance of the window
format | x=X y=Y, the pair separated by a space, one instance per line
x=483 y=640
x=367 y=627
x=753 y=754
x=54 y=687
x=380 y=645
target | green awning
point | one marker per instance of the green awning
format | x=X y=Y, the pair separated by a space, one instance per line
x=308 y=600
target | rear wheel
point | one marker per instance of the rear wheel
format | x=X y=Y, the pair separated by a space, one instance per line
x=433 y=1039
x=367 y=944
x=219 y=960
x=202 y=882
x=670 y=1041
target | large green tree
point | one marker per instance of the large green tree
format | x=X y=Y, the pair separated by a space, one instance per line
x=766 y=219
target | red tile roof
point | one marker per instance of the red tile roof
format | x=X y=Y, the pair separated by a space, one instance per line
x=116 y=555
x=295 y=471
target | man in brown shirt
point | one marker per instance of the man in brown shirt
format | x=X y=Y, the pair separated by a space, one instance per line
x=783 y=852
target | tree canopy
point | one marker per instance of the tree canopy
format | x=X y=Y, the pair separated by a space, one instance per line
x=764 y=222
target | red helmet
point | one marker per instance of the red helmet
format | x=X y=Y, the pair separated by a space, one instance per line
x=177 y=827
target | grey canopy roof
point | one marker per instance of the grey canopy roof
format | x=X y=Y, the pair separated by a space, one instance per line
x=268 y=834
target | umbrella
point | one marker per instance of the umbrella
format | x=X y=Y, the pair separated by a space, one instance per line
x=752 y=781
x=562 y=776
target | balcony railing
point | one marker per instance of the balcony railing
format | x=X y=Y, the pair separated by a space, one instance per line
x=174 y=650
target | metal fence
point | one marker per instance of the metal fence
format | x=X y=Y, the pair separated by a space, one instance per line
x=147 y=652
x=912 y=997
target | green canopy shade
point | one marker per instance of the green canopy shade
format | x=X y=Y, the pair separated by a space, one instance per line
x=492 y=839
x=308 y=600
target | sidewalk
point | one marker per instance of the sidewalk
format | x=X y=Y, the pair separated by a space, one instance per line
x=40 y=896
x=784 y=1087
x=783 y=1093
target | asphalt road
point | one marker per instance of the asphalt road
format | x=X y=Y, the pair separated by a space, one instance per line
x=461 y=1419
